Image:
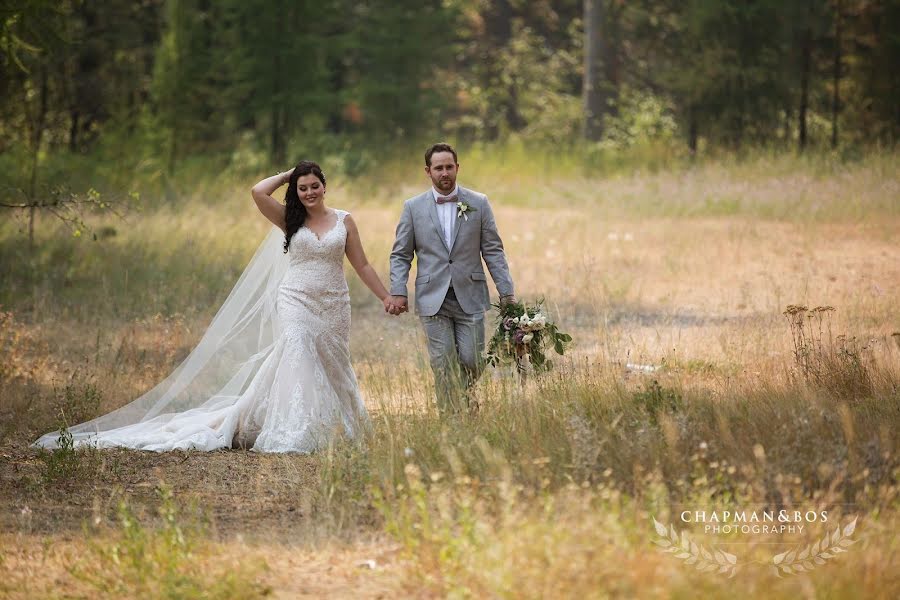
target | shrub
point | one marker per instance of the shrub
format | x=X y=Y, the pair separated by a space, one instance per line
x=841 y=365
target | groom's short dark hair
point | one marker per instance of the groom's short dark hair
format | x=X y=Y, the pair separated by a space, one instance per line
x=440 y=147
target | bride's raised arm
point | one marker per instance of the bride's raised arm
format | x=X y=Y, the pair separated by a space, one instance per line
x=271 y=208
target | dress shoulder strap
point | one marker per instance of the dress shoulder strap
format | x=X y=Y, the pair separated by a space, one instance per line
x=341 y=214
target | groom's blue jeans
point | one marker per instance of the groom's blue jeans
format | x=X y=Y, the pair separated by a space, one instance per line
x=455 y=347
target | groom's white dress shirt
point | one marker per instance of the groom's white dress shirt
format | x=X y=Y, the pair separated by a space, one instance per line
x=446 y=212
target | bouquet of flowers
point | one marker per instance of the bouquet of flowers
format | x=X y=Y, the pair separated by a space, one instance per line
x=524 y=335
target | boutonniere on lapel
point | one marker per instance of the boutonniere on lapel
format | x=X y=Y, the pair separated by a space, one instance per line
x=463 y=209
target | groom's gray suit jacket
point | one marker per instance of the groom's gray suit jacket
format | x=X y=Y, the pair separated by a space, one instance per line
x=438 y=266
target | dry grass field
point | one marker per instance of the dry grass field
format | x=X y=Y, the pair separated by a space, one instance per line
x=684 y=390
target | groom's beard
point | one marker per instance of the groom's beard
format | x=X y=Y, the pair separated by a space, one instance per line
x=445 y=185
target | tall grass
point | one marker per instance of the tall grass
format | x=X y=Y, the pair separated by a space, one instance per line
x=582 y=426
x=549 y=491
x=551 y=488
x=172 y=560
x=173 y=256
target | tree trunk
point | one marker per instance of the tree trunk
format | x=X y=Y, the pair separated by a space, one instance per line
x=610 y=41
x=514 y=118
x=740 y=118
x=692 y=131
x=277 y=134
x=335 y=116
x=74 y=117
x=805 y=64
x=280 y=91
x=593 y=96
x=788 y=123
x=37 y=134
x=836 y=95
x=498 y=20
x=178 y=97
x=173 y=144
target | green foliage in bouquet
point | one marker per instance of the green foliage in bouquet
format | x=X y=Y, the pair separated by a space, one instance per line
x=525 y=334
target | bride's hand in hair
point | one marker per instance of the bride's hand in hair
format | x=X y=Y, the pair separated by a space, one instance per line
x=262 y=192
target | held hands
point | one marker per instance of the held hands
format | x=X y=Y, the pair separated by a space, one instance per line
x=395 y=305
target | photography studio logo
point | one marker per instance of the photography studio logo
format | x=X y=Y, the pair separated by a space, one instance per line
x=703 y=539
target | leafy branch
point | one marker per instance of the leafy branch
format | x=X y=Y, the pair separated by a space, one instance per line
x=70 y=208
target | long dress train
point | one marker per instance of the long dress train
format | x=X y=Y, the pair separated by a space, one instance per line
x=291 y=393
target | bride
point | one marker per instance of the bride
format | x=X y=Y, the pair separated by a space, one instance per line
x=272 y=372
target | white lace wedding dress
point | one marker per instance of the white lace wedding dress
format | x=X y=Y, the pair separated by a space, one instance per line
x=293 y=394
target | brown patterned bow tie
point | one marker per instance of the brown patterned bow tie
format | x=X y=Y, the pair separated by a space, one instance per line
x=442 y=199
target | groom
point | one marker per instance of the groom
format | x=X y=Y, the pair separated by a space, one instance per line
x=449 y=228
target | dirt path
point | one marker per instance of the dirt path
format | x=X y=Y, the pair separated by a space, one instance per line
x=39 y=567
x=257 y=509
x=233 y=488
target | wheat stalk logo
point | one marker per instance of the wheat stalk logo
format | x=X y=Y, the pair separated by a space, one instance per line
x=799 y=561
x=693 y=553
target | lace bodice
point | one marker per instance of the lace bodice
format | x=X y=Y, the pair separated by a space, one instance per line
x=321 y=259
x=305 y=242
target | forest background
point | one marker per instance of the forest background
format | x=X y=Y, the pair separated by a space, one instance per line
x=705 y=194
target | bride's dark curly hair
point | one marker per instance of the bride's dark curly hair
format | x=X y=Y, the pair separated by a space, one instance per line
x=294 y=211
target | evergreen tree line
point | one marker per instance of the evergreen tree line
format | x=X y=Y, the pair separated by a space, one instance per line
x=186 y=78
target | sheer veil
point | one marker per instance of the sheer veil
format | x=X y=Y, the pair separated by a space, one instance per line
x=219 y=369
